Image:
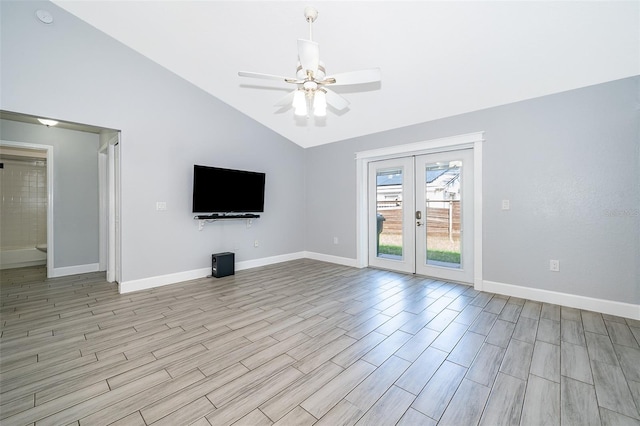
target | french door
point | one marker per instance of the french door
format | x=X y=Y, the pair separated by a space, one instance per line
x=421 y=215
x=391 y=200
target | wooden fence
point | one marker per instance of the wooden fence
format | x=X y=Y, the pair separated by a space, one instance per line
x=441 y=222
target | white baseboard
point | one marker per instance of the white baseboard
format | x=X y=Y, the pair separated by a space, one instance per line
x=161 y=280
x=77 y=269
x=345 y=261
x=611 y=307
x=255 y=263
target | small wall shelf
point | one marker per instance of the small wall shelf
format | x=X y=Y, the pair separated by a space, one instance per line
x=202 y=219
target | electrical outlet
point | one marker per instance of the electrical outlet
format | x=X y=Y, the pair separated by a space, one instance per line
x=161 y=205
x=256 y=243
x=335 y=240
x=554 y=265
x=506 y=205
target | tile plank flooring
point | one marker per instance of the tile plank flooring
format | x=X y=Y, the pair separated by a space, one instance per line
x=302 y=343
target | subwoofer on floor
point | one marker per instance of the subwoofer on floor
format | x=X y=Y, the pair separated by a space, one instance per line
x=222 y=264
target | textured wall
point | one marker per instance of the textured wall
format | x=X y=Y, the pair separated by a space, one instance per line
x=75 y=73
x=570 y=165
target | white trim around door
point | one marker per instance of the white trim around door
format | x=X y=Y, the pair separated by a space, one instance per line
x=363 y=158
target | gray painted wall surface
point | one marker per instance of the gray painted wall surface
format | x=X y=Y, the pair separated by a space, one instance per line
x=75 y=188
x=72 y=72
x=570 y=165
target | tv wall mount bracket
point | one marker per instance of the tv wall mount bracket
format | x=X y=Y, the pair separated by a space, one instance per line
x=209 y=218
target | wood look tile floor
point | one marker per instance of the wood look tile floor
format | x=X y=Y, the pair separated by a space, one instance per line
x=306 y=342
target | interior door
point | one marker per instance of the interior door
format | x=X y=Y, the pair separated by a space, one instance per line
x=391 y=210
x=444 y=215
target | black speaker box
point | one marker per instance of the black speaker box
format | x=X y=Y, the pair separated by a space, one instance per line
x=222 y=264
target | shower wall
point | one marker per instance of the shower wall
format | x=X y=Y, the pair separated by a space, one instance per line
x=23 y=211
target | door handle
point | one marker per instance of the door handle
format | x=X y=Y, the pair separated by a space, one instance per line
x=418 y=223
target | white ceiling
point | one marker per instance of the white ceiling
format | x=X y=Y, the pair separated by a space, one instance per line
x=438 y=58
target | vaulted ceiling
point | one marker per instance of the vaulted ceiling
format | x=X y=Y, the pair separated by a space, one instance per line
x=438 y=58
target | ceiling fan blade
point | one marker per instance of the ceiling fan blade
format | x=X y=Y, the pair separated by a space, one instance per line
x=287 y=100
x=266 y=76
x=309 y=54
x=355 y=77
x=335 y=100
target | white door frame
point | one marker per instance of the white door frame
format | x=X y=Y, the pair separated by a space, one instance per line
x=115 y=237
x=109 y=172
x=103 y=203
x=470 y=140
x=49 y=150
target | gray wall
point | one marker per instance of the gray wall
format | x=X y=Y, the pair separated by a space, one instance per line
x=75 y=188
x=72 y=72
x=570 y=165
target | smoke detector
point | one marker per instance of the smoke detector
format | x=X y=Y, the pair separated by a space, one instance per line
x=44 y=16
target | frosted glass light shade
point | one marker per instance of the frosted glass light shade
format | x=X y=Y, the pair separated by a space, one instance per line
x=299 y=103
x=320 y=104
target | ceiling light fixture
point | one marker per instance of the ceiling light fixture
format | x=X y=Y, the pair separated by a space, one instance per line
x=299 y=103
x=47 y=122
x=320 y=103
x=312 y=94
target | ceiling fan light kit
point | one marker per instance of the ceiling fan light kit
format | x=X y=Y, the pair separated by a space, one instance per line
x=299 y=103
x=312 y=95
x=320 y=103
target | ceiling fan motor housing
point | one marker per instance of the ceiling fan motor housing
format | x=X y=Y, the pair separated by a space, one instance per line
x=310 y=14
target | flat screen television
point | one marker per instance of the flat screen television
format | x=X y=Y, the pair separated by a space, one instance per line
x=218 y=190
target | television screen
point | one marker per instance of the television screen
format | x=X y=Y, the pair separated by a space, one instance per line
x=217 y=190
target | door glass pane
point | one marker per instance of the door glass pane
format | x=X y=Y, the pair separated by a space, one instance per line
x=389 y=213
x=443 y=211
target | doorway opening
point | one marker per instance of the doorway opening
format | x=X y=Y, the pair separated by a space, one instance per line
x=26 y=213
x=23 y=127
x=419 y=208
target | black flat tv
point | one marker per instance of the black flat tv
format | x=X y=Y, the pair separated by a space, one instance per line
x=218 y=190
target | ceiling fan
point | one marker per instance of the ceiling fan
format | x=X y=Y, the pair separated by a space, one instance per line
x=312 y=94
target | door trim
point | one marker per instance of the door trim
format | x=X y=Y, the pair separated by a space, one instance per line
x=109 y=193
x=363 y=158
